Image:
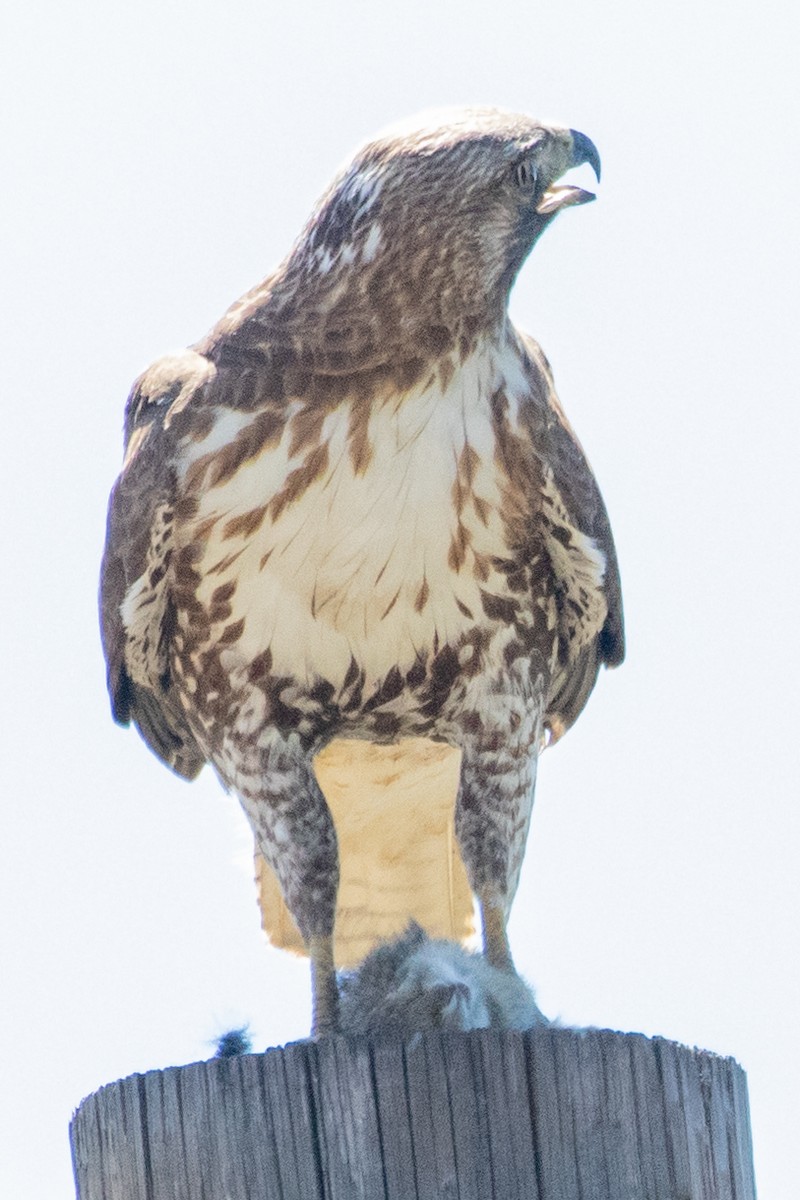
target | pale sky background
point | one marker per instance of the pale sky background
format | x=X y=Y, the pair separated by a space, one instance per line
x=157 y=159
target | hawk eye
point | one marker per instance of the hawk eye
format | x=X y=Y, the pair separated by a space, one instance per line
x=525 y=174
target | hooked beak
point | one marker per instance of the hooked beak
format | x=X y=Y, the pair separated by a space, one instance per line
x=556 y=198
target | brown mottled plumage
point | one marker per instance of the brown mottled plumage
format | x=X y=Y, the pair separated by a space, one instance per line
x=355 y=510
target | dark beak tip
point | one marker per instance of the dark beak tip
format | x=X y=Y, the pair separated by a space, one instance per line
x=585 y=151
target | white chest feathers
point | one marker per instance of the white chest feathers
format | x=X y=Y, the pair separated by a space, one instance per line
x=373 y=555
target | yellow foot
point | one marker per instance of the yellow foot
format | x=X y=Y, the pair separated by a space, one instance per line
x=324 y=989
x=495 y=938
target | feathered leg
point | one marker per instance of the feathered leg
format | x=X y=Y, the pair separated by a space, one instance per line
x=295 y=833
x=493 y=810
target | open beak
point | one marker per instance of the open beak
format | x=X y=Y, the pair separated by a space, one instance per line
x=555 y=198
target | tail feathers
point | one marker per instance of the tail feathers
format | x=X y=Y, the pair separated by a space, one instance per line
x=393 y=811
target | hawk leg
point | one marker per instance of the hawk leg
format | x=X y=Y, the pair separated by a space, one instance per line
x=493 y=811
x=324 y=989
x=495 y=937
x=296 y=835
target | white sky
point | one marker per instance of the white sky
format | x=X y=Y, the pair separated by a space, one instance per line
x=157 y=159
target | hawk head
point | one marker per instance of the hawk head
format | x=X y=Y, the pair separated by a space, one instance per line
x=431 y=221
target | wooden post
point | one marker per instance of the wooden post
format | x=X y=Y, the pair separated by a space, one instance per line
x=553 y=1114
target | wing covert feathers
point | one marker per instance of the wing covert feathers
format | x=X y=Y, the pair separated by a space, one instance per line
x=581 y=504
x=135 y=611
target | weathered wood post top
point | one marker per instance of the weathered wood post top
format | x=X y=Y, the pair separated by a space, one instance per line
x=553 y=1114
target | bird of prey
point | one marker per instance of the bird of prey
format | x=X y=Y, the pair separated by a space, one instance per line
x=354 y=514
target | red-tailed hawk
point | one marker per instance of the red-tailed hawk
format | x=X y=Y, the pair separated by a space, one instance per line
x=355 y=516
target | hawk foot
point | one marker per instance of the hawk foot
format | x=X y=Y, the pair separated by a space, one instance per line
x=495 y=939
x=324 y=988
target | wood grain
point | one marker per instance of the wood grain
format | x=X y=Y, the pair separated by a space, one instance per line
x=552 y=1114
